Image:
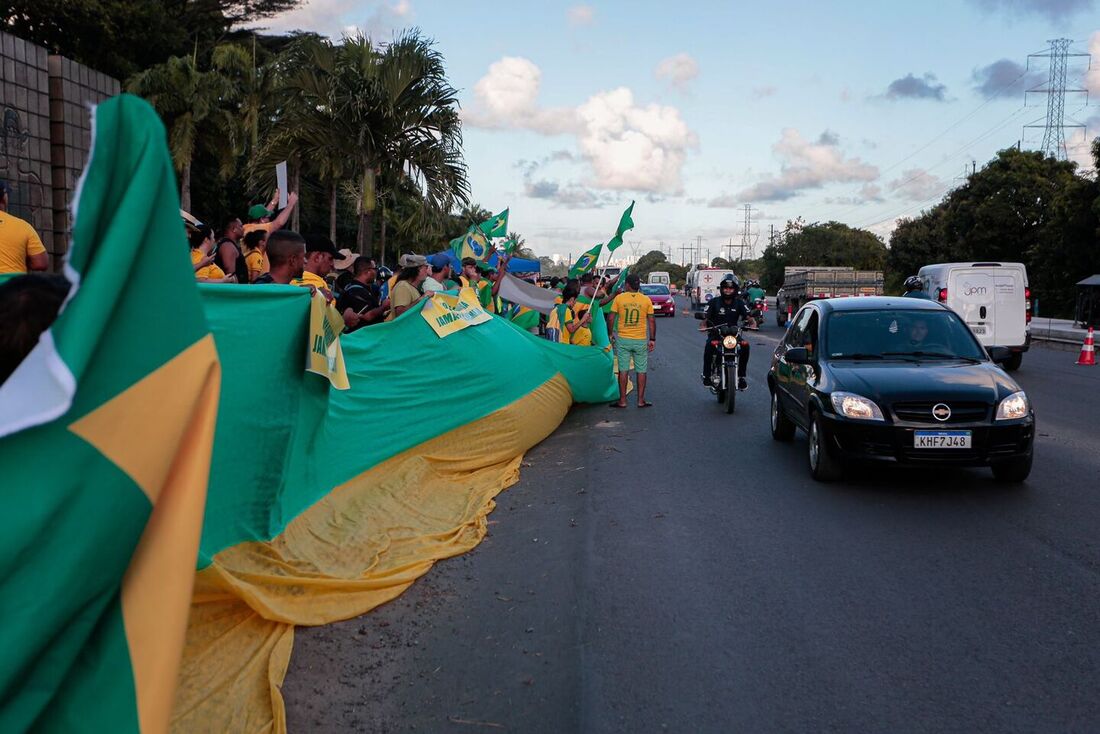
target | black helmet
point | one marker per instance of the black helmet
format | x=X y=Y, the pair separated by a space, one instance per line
x=730 y=281
x=913 y=283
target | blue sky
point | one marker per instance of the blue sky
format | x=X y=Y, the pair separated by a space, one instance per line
x=860 y=112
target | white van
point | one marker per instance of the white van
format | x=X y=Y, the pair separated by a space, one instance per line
x=992 y=298
x=658 y=277
x=703 y=285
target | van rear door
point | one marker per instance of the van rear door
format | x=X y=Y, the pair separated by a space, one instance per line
x=1009 y=300
x=991 y=301
x=970 y=294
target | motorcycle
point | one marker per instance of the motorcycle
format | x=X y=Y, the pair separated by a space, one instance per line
x=726 y=340
x=759 y=306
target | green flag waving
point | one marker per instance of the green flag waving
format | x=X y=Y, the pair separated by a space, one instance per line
x=110 y=420
x=586 y=262
x=472 y=244
x=497 y=226
x=509 y=246
x=625 y=223
x=618 y=284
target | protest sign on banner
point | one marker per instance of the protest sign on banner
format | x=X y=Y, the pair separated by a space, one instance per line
x=447 y=314
x=280 y=182
x=326 y=358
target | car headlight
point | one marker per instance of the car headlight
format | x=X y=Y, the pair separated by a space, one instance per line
x=855 y=406
x=1013 y=407
x=729 y=342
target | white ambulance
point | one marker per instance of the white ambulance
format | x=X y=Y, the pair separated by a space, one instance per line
x=992 y=298
x=703 y=285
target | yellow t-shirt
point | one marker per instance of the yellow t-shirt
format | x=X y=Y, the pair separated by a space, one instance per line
x=18 y=241
x=312 y=279
x=211 y=271
x=633 y=309
x=254 y=261
x=403 y=293
x=268 y=227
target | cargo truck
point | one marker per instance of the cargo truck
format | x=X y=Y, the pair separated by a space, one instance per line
x=802 y=284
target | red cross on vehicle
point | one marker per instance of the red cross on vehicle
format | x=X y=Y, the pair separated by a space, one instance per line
x=706 y=278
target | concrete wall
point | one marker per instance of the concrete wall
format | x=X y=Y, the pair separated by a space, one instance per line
x=46 y=134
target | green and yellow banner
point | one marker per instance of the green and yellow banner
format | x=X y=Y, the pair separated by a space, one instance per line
x=448 y=314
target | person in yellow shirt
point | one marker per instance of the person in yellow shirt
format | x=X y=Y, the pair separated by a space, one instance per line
x=255 y=257
x=563 y=325
x=263 y=217
x=206 y=271
x=320 y=256
x=631 y=315
x=20 y=247
x=405 y=292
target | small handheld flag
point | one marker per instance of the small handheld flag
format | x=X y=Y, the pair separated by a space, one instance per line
x=497 y=226
x=625 y=223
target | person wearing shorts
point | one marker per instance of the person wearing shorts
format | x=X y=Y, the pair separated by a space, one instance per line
x=634 y=332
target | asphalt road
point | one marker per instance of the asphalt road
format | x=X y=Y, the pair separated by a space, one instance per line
x=674 y=569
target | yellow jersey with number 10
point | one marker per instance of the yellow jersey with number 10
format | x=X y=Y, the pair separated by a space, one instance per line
x=633 y=310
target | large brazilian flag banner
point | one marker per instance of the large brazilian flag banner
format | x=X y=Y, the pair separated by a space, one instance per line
x=106 y=432
x=181 y=491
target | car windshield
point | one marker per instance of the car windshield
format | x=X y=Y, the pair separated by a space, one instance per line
x=899 y=334
x=655 y=290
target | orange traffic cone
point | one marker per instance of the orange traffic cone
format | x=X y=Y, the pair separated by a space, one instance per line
x=1088 y=351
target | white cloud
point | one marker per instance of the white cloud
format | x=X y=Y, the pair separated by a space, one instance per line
x=677 y=71
x=1092 y=79
x=579 y=15
x=627 y=146
x=1054 y=10
x=805 y=165
x=336 y=18
x=917 y=184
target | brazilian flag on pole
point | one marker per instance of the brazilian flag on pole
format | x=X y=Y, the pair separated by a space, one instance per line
x=586 y=262
x=472 y=244
x=626 y=222
x=106 y=433
x=497 y=226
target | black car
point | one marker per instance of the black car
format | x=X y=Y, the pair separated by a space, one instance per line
x=898 y=380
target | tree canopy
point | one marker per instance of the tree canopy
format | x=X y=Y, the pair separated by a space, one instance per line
x=831 y=243
x=1021 y=207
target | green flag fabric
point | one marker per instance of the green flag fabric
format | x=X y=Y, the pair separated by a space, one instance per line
x=509 y=246
x=620 y=281
x=586 y=263
x=106 y=432
x=626 y=222
x=497 y=226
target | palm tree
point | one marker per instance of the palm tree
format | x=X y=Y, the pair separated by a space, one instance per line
x=383 y=112
x=197 y=109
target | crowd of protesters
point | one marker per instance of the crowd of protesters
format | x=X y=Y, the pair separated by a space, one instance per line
x=262 y=250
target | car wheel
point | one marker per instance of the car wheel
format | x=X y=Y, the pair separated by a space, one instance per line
x=782 y=426
x=1013 y=471
x=1013 y=363
x=824 y=467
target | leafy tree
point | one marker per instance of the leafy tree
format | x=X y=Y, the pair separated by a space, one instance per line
x=828 y=244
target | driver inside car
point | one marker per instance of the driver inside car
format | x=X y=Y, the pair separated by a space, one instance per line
x=726 y=309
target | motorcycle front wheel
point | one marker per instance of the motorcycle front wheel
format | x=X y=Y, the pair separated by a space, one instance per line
x=731 y=382
x=720 y=388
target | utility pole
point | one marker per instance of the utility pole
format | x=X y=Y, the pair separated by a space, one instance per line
x=771 y=235
x=684 y=249
x=699 y=249
x=1055 y=125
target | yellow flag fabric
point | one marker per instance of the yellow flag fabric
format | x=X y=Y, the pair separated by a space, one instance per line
x=447 y=314
x=326 y=357
x=359 y=547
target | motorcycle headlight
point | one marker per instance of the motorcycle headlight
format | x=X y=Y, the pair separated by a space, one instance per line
x=1014 y=406
x=855 y=406
x=729 y=342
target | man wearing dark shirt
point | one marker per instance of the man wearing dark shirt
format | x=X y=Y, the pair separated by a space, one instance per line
x=359 y=304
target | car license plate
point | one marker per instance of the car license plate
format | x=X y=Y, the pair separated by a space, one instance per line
x=977 y=329
x=941 y=439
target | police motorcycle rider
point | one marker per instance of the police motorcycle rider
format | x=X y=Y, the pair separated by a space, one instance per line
x=728 y=308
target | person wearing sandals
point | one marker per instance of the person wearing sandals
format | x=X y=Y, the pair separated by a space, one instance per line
x=630 y=318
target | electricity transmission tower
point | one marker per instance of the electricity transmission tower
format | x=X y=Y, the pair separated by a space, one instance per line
x=748 y=239
x=1055 y=125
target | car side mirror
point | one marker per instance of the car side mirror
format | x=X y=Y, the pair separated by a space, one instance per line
x=797 y=355
x=699 y=315
x=999 y=354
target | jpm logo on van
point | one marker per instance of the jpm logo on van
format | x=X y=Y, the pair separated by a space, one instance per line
x=974 y=290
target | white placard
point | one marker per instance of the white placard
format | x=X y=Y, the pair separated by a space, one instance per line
x=280 y=181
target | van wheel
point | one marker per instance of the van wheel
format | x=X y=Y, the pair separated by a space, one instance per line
x=1013 y=363
x=1013 y=471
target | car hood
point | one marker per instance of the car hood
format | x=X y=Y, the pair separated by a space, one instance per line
x=890 y=382
x=660 y=299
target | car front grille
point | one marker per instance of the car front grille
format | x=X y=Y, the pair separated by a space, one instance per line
x=961 y=412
